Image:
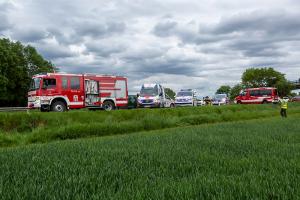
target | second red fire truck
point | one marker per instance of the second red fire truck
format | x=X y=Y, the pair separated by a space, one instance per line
x=60 y=92
x=257 y=96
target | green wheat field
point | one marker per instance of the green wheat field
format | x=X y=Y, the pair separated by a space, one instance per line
x=227 y=152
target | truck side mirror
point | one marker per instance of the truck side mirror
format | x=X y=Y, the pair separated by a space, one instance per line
x=45 y=84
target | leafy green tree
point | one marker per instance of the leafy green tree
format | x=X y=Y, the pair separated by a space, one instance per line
x=17 y=64
x=170 y=93
x=261 y=77
x=284 y=88
x=266 y=77
x=235 y=91
x=35 y=62
x=224 y=89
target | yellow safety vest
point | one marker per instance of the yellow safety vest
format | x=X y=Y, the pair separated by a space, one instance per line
x=284 y=104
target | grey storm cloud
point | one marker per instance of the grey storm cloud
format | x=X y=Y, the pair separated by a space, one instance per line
x=272 y=27
x=188 y=43
x=256 y=48
x=29 y=35
x=4 y=22
x=166 y=67
x=54 y=51
x=63 y=36
x=96 y=29
x=258 y=21
x=164 y=29
x=103 y=48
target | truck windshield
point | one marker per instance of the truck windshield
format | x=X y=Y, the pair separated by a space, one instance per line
x=220 y=96
x=149 y=91
x=35 y=83
x=182 y=94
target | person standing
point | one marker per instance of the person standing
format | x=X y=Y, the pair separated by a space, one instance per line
x=283 y=107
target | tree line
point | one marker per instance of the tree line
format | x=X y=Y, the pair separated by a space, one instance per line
x=17 y=65
x=259 y=77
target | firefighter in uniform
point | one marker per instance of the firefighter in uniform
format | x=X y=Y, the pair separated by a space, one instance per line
x=283 y=106
x=207 y=100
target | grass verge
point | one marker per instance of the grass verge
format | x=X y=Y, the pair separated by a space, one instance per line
x=21 y=128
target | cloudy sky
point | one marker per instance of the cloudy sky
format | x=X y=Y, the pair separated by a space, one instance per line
x=179 y=43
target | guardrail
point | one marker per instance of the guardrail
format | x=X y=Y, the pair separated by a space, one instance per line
x=13 y=109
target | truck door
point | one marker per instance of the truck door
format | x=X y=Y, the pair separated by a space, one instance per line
x=76 y=94
x=49 y=87
x=121 y=93
x=92 y=97
x=254 y=96
x=162 y=96
x=244 y=97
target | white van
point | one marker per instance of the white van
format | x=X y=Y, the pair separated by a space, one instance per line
x=186 y=97
x=153 y=95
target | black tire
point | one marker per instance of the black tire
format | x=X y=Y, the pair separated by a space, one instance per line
x=239 y=102
x=108 y=106
x=264 y=102
x=172 y=105
x=58 y=106
x=44 y=109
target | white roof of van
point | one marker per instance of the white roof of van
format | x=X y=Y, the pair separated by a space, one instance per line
x=149 y=85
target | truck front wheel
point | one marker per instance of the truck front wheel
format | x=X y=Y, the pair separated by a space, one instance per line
x=58 y=106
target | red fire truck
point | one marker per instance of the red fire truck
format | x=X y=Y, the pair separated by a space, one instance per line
x=60 y=92
x=257 y=96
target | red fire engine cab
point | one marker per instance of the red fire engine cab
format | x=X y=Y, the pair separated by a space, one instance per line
x=60 y=92
x=257 y=96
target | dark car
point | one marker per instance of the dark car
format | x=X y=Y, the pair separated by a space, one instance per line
x=296 y=98
x=132 y=101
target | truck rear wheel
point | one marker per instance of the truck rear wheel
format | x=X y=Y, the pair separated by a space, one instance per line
x=108 y=105
x=58 y=106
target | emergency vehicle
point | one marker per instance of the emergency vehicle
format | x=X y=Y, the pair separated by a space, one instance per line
x=220 y=99
x=186 y=97
x=60 y=92
x=257 y=96
x=154 y=95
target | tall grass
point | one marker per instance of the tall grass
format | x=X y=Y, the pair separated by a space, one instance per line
x=22 y=128
x=256 y=159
